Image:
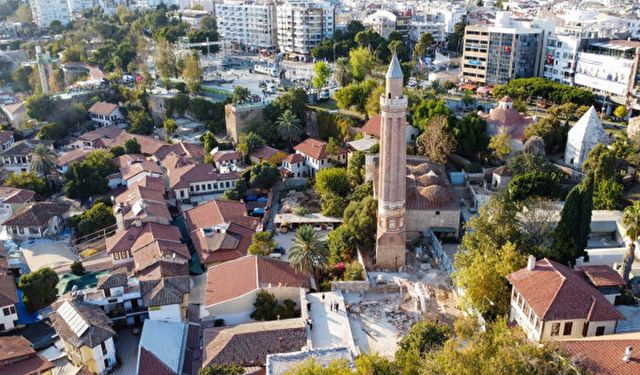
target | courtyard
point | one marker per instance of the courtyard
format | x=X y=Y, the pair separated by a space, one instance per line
x=57 y=255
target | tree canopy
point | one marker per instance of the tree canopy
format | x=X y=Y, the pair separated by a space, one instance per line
x=39 y=288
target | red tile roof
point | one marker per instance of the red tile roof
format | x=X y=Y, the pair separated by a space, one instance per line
x=556 y=292
x=602 y=276
x=313 y=147
x=108 y=132
x=128 y=159
x=103 y=108
x=216 y=212
x=11 y=195
x=226 y=156
x=372 y=127
x=183 y=177
x=216 y=248
x=147 y=166
x=294 y=158
x=233 y=279
x=17 y=357
x=136 y=237
x=8 y=290
x=603 y=355
x=150 y=364
x=71 y=156
x=264 y=153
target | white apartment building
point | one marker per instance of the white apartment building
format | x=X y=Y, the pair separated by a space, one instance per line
x=247 y=23
x=383 y=22
x=46 y=11
x=560 y=58
x=427 y=23
x=302 y=24
x=76 y=7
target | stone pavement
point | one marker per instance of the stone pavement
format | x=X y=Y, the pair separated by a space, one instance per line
x=127 y=352
x=330 y=328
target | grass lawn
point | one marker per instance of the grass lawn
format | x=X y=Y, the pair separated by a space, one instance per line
x=329 y=105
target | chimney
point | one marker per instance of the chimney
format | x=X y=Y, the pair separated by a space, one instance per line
x=627 y=353
x=531 y=264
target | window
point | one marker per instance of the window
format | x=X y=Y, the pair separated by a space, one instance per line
x=12 y=309
x=600 y=331
x=5 y=311
x=567 y=328
x=2 y=328
x=104 y=350
x=555 y=329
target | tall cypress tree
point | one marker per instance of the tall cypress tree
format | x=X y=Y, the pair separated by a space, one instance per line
x=572 y=233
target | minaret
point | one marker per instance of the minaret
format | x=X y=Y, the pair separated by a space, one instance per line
x=392 y=172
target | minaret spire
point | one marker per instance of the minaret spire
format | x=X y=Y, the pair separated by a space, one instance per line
x=391 y=187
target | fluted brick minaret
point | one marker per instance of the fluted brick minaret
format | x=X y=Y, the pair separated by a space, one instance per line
x=391 y=237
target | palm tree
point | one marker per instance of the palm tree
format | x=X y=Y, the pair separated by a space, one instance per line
x=288 y=126
x=43 y=161
x=308 y=253
x=342 y=71
x=631 y=220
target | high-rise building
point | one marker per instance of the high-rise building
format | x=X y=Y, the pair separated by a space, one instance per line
x=46 y=11
x=247 y=24
x=498 y=53
x=392 y=191
x=302 y=24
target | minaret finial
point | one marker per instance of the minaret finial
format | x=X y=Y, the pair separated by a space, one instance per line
x=394 y=71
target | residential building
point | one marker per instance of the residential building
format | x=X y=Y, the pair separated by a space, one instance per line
x=560 y=58
x=119 y=297
x=193 y=17
x=11 y=199
x=86 y=333
x=135 y=172
x=76 y=7
x=302 y=24
x=167 y=297
x=506 y=119
x=497 y=53
x=227 y=160
x=16 y=113
x=36 y=220
x=247 y=24
x=583 y=136
x=383 y=22
x=8 y=301
x=105 y=114
x=550 y=301
x=605 y=279
x=99 y=138
x=44 y=12
x=316 y=157
x=227 y=344
x=17 y=158
x=232 y=287
x=143 y=202
x=295 y=165
x=605 y=355
x=220 y=230
x=6 y=139
x=268 y=154
x=161 y=350
x=64 y=161
x=17 y=357
x=427 y=23
x=193 y=180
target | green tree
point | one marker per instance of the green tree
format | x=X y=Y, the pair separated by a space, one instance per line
x=40 y=107
x=209 y=141
x=43 y=161
x=355 y=95
x=240 y=95
x=360 y=218
x=631 y=220
x=422 y=337
x=132 y=146
x=216 y=369
x=535 y=184
x=20 y=78
x=342 y=245
x=437 y=143
x=608 y=195
x=423 y=46
x=602 y=163
x=333 y=204
x=552 y=131
x=166 y=61
x=141 y=122
x=308 y=254
x=572 y=233
x=470 y=135
x=262 y=243
x=356 y=168
x=342 y=72
x=170 y=126
x=333 y=180
x=321 y=74
x=263 y=175
x=101 y=161
x=289 y=127
x=620 y=112
x=361 y=63
x=249 y=142
x=84 y=181
x=373 y=101
x=454 y=40
x=27 y=180
x=192 y=73
x=498 y=350
x=501 y=145
x=77 y=268
x=39 y=288
x=428 y=109
x=98 y=217
x=23 y=13
x=353 y=272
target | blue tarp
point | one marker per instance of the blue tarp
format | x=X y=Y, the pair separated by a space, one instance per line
x=263 y=199
x=258 y=211
x=250 y=198
x=24 y=316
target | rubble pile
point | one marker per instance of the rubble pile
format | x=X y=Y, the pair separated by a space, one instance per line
x=294 y=200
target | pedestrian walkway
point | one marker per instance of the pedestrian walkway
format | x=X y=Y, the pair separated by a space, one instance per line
x=330 y=328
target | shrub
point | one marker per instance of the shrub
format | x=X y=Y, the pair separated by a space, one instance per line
x=77 y=268
x=353 y=271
